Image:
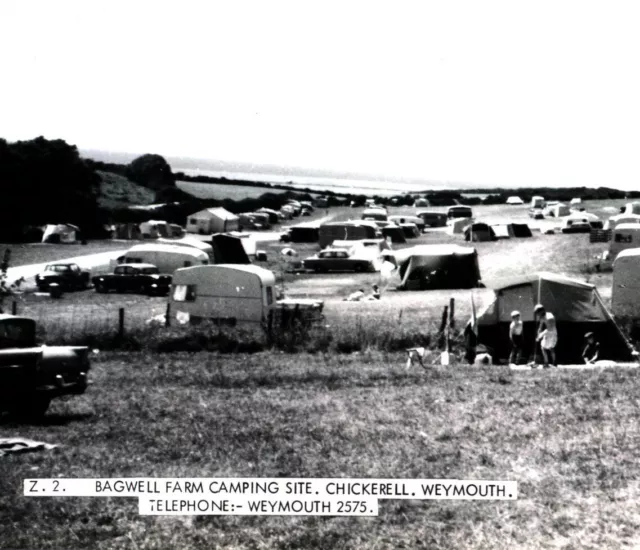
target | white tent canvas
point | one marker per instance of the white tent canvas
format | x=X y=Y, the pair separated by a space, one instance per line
x=61 y=233
x=515 y=200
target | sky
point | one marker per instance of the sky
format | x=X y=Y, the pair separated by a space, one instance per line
x=484 y=92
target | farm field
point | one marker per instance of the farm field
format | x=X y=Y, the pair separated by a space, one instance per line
x=222 y=191
x=570 y=440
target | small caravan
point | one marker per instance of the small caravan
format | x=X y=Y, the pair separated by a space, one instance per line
x=224 y=292
x=166 y=257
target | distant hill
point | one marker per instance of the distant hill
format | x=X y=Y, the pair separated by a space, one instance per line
x=116 y=191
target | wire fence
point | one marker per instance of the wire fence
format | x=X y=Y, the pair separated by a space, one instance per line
x=57 y=320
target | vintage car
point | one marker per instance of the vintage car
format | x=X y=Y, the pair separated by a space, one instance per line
x=31 y=376
x=340 y=259
x=141 y=278
x=67 y=275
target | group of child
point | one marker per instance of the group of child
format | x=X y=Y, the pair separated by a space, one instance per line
x=547 y=337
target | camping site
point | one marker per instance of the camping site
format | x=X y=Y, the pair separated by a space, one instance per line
x=341 y=401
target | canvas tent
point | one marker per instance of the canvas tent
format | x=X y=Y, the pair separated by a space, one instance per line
x=60 y=233
x=228 y=249
x=212 y=220
x=459 y=225
x=520 y=230
x=577 y=307
x=479 y=232
x=437 y=266
x=515 y=200
x=503 y=231
x=421 y=202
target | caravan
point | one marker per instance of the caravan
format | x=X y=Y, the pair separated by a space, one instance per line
x=166 y=257
x=223 y=292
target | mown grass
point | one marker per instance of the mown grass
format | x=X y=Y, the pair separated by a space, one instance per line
x=571 y=440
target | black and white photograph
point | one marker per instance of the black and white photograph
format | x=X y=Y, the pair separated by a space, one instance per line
x=319 y=275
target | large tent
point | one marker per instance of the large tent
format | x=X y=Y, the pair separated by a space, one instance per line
x=437 y=266
x=520 y=230
x=503 y=231
x=347 y=231
x=515 y=200
x=228 y=249
x=304 y=233
x=479 y=232
x=577 y=307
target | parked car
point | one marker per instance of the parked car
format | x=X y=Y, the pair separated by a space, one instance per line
x=142 y=278
x=339 y=259
x=31 y=376
x=67 y=275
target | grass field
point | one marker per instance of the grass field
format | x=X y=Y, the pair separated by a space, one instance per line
x=570 y=439
x=221 y=191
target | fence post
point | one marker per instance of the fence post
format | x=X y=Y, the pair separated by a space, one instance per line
x=167 y=318
x=121 y=323
x=14 y=308
x=452 y=319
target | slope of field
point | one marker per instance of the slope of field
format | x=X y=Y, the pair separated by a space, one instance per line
x=116 y=191
x=220 y=191
x=570 y=440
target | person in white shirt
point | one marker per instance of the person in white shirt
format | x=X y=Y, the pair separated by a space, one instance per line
x=547 y=335
x=515 y=335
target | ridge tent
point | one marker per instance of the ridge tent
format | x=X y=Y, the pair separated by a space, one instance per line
x=437 y=266
x=503 y=231
x=520 y=230
x=577 y=307
x=479 y=232
x=212 y=220
x=228 y=249
x=515 y=200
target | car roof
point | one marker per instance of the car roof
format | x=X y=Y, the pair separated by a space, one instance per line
x=137 y=265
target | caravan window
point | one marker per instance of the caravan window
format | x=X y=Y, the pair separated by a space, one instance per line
x=622 y=238
x=187 y=264
x=193 y=221
x=130 y=260
x=184 y=293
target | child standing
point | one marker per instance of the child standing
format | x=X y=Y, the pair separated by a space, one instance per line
x=515 y=335
x=591 y=350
